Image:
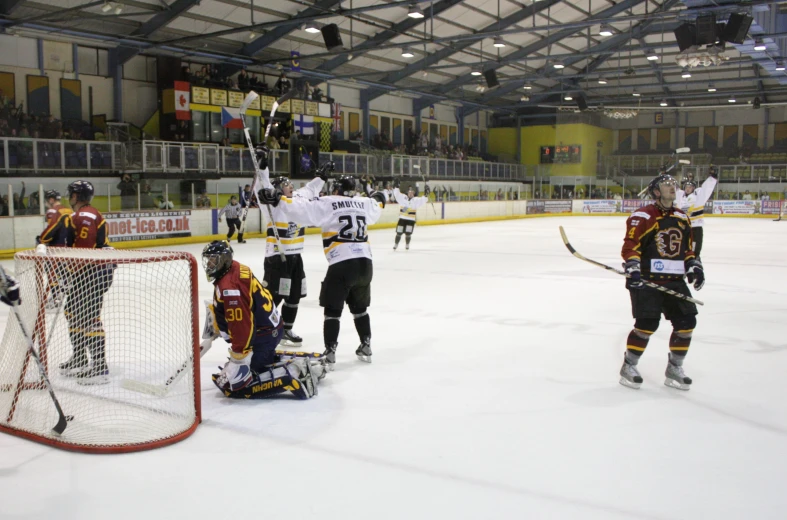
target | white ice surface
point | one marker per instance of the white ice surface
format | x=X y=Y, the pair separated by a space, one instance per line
x=493 y=394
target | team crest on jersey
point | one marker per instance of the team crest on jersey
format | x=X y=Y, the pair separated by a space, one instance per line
x=292 y=229
x=668 y=242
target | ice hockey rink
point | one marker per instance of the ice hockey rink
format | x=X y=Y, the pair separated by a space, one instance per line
x=493 y=394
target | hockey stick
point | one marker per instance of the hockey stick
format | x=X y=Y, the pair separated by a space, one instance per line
x=62 y=422
x=423 y=177
x=622 y=273
x=671 y=167
x=781 y=213
x=260 y=175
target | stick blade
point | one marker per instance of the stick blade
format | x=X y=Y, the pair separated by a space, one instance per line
x=685 y=149
x=144 y=388
x=250 y=97
x=565 y=240
x=60 y=427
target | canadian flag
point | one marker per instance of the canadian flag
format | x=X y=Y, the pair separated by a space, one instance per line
x=182 y=100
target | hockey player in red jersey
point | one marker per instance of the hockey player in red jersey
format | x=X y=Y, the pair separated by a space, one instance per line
x=58 y=221
x=243 y=313
x=657 y=248
x=86 y=288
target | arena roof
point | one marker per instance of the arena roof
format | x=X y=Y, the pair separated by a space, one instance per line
x=453 y=39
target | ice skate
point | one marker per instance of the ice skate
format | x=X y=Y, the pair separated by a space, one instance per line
x=675 y=377
x=74 y=366
x=330 y=355
x=291 y=339
x=629 y=375
x=96 y=375
x=364 y=351
x=395 y=246
x=407 y=247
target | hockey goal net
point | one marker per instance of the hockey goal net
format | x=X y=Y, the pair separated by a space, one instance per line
x=105 y=323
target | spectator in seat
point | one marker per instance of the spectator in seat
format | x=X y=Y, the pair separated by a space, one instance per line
x=128 y=192
x=203 y=200
x=19 y=202
x=283 y=84
x=164 y=203
x=146 y=197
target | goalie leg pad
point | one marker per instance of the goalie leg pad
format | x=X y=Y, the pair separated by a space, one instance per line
x=289 y=375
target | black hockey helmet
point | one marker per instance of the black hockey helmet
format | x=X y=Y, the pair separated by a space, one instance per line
x=280 y=180
x=345 y=185
x=217 y=259
x=51 y=194
x=83 y=189
x=689 y=183
x=658 y=181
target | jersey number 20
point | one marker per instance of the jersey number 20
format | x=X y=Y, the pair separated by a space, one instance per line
x=354 y=230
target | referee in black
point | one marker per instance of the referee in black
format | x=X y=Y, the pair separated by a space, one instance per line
x=233 y=211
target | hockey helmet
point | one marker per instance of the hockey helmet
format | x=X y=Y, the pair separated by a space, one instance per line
x=217 y=259
x=345 y=185
x=690 y=183
x=658 y=181
x=83 y=189
x=280 y=181
x=51 y=194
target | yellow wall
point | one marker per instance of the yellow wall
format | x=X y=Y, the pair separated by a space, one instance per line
x=502 y=141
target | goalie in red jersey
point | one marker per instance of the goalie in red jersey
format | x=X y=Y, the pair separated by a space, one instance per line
x=657 y=248
x=243 y=313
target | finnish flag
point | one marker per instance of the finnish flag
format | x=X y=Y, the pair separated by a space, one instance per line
x=305 y=124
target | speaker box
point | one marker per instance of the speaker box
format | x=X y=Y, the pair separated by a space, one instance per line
x=581 y=103
x=491 y=78
x=756 y=102
x=737 y=28
x=706 y=29
x=686 y=36
x=330 y=33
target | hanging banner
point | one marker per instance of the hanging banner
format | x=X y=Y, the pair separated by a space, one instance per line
x=200 y=95
x=70 y=99
x=7 y=88
x=182 y=101
x=284 y=107
x=218 y=97
x=255 y=104
x=235 y=99
x=37 y=95
x=297 y=106
x=295 y=61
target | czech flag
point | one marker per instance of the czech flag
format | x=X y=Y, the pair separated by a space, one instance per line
x=230 y=118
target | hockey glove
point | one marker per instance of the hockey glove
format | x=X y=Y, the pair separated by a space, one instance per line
x=634 y=274
x=712 y=172
x=270 y=197
x=695 y=273
x=261 y=152
x=379 y=197
x=9 y=291
x=236 y=374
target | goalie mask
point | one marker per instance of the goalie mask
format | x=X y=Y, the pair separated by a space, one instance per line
x=217 y=259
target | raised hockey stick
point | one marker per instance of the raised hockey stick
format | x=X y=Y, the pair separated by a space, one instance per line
x=62 y=422
x=671 y=167
x=622 y=273
x=259 y=175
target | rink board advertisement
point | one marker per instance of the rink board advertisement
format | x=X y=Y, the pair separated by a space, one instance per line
x=771 y=207
x=147 y=225
x=601 y=206
x=629 y=205
x=548 y=206
x=734 y=207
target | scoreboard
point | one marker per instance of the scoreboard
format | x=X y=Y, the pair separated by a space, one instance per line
x=562 y=154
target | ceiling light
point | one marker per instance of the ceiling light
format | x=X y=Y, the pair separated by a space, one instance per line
x=498 y=42
x=311 y=27
x=527 y=86
x=407 y=53
x=118 y=9
x=779 y=65
x=663 y=103
x=711 y=87
x=558 y=65
x=568 y=97
x=349 y=57
x=252 y=35
x=635 y=93
x=651 y=55
x=425 y=74
x=106 y=8
x=605 y=30
x=602 y=81
x=686 y=74
x=759 y=45
x=731 y=100
x=415 y=12
x=475 y=73
x=524 y=98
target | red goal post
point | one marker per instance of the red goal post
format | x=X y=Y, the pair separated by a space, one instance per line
x=143 y=304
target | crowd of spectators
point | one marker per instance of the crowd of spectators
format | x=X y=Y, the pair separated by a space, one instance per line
x=15 y=122
x=421 y=144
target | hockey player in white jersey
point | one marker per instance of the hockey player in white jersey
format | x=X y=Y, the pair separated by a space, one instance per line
x=344 y=219
x=692 y=199
x=287 y=280
x=408 y=205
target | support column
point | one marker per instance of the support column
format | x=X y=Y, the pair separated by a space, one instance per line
x=365 y=116
x=75 y=59
x=116 y=73
x=40 y=47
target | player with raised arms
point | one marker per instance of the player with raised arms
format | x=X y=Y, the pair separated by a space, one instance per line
x=408 y=205
x=692 y=199
x=657 y=248
x=243 y=313
x=344 y=219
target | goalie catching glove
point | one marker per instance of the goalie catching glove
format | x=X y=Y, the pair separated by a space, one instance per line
x=236 y=374
x=9 y=291
x=379 y=197
x=261 y=152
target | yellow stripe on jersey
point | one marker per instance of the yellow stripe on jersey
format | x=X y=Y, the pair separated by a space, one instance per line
x=297 y=240
x=329 y=234
x=335 y=244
